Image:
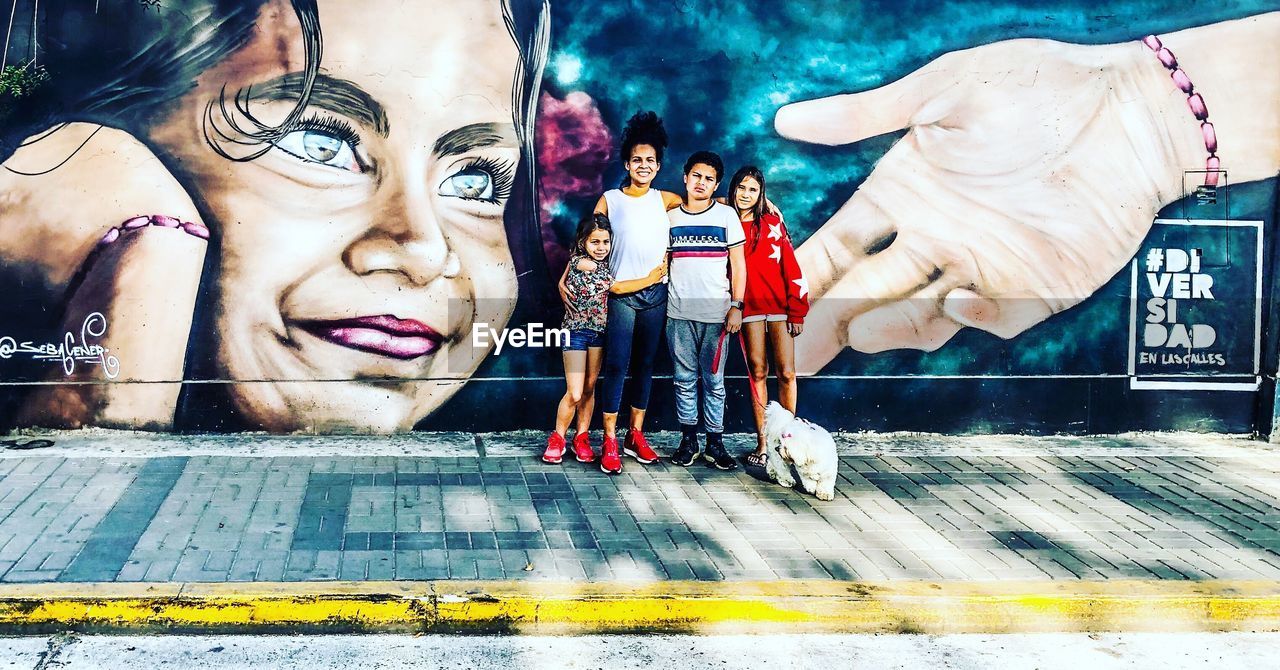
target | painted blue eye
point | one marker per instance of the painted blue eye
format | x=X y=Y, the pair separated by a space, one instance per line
x=470 y=183
x=316 y=146
x=321 y=147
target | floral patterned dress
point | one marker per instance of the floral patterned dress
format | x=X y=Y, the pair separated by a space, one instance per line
x=588 y=307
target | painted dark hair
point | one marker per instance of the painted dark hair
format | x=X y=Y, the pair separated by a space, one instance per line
x=117 y=63
x=121 y=65
x=759 y=209
x=709 y=158
x=588 y=225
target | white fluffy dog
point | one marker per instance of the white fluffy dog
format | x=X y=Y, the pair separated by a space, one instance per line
x=790 y=440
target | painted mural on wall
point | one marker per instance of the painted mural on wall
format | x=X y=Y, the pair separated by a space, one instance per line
x=298 y=215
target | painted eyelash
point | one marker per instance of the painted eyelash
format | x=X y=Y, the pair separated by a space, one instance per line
x=334 y=127
x=502 y=173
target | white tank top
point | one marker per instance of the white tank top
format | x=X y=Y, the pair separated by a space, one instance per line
x=641 y=233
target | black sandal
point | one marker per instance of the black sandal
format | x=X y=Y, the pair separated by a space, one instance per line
x=755 y=459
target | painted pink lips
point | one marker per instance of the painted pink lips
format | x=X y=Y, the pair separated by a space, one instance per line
x=386 y=335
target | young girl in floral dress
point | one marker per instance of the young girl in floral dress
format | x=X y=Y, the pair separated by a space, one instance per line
x=587 y=285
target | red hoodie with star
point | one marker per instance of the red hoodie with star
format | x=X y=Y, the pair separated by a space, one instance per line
x=775 y=284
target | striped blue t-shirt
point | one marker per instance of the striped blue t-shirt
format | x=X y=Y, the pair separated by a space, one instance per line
x=698 y=288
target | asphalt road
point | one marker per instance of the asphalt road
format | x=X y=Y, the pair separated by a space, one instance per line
x=1219 y=651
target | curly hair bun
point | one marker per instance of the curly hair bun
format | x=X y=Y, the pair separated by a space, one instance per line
x=644 y=128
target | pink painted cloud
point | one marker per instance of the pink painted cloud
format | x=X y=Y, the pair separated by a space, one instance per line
x=573 y=147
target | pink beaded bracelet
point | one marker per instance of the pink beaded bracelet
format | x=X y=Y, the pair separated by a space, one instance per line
x=143 y=220
x=1212 y=165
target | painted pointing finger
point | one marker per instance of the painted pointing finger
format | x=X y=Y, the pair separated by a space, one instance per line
x=851 y=117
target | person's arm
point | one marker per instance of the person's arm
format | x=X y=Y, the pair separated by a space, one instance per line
x=587 y=265
x=632 y=285
x=564 y=288
x=598 y=281
x=655 y=275
x=602 y=206
x=794 y=284
x=737 y=287
x=773 y=209
x=1225 y=62
x=670 y=200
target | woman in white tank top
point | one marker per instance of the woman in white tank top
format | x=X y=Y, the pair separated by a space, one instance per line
x=638 y=304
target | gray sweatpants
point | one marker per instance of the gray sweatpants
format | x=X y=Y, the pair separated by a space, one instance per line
x=693 y=351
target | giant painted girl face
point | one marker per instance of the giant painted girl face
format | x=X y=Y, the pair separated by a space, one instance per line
x=358 y=251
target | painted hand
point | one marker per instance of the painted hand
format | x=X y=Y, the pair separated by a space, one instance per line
x=139 y=274
x=1029 y=174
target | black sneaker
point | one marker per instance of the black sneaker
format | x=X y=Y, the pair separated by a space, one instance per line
x=716 y=456
x=687 y=453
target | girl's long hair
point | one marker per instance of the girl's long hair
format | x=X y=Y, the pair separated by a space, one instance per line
x=588 y=225
x=759 y=209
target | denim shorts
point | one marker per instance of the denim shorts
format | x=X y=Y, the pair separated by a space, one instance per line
x=581 y=339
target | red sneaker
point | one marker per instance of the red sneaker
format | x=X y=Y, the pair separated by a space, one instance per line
x=555 y=448
x=637 y=447
x=610 y=462
x=582 y=448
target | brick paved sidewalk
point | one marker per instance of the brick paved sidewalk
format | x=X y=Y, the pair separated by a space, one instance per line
x=451 y=506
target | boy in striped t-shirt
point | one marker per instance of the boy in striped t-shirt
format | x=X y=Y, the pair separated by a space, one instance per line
x=707 y=279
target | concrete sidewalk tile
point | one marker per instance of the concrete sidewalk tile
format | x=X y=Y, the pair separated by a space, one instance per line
x=912 y=563
x=161 y=571
x=133 y=571
x=16 y=547
x=30 y=576
x=1183 y=568
x=1047 y=565
x=1265 y=569
x=1036 y=516
x=675 y=569
x=360 y=565
x=219 y=560
x=1160 y=570
x=571 y=570
x=598 y=570
x=243 y=569
x=32 y=560
x=58 y=560
x=558 y=539
x=490 y=570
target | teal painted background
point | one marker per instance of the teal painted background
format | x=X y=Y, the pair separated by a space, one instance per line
x=718 y=72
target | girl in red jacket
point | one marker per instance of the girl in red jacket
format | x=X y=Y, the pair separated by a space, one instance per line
x=777 y=298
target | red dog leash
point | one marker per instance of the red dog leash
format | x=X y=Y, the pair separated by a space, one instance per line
x=715 y=363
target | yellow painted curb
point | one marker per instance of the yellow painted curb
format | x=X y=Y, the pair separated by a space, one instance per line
x=545 y=607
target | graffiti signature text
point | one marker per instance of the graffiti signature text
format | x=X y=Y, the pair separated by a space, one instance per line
x=70 y=350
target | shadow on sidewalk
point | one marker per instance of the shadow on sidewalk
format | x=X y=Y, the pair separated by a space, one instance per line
x=1029 y=515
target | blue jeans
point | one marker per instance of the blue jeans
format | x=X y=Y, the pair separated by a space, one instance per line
x=693 y=351
x=631 y=342
x=581 y=339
